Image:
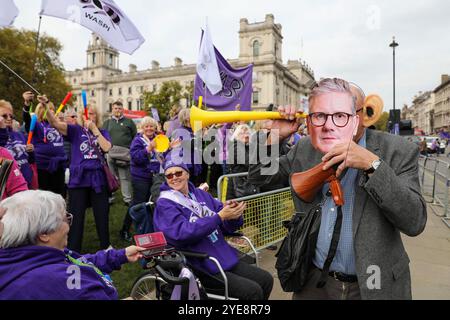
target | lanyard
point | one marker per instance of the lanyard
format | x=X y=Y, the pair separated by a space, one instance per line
x=82 y=264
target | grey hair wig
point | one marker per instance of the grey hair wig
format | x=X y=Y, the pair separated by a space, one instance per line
x=328 y=85
x=29 y=214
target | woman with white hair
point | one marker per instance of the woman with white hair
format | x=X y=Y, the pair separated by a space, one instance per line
x=34 y=261
x=16 y=142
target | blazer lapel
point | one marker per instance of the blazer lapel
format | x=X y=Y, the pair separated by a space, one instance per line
x=360 y=194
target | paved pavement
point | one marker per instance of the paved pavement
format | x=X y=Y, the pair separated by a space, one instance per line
x=430 y=262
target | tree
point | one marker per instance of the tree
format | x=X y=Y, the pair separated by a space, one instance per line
x=381 y=124
x=17 y=48
x=189 y=94
x=169 y=94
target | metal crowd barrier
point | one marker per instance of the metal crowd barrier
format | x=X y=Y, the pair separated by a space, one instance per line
x=264 y=214
x=435 y=184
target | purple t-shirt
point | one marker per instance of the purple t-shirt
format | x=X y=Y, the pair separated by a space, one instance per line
x=48 y=147
x=16 y=145
x=86 y=165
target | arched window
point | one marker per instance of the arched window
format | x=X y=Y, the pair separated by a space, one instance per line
x=256 y=48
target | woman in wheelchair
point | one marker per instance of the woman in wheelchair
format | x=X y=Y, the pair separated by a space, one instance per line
x=34 y=261
x=192 y=220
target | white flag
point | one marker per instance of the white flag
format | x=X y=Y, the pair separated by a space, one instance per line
x=100 y=16
x=207 y=68
x=8 y=13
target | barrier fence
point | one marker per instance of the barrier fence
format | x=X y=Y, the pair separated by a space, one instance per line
x=264 y=215
x=435 y=184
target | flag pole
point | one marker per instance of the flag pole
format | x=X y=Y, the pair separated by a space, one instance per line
x=29 y=85
x=35 y=50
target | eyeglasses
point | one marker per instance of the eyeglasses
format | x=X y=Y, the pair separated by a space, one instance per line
x=8 y=115
x=340 y=119
x=175 y=174
x=68 y=218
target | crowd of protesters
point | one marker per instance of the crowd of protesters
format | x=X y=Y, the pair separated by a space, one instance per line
x=62 y=170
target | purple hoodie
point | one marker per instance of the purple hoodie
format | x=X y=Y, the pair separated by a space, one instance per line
x=184 y=230
x=143 y=164
x=16 y=144
x=86 y=168
x=44 y=273
x=48 y=147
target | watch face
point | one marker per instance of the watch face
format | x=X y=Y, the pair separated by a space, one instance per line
x=376 y=164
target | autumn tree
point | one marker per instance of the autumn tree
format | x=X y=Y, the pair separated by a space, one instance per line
x=44 y=70
x=169 y=94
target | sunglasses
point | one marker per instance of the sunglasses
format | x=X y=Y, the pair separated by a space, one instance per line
x=8 y=115
x=73 y=117
x=177 y=174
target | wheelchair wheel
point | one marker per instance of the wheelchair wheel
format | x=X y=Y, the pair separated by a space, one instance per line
x=149 y=287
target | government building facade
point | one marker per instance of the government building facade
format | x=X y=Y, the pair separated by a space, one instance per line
x=259 y=43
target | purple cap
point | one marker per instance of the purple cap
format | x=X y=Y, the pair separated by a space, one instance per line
x=169 y=163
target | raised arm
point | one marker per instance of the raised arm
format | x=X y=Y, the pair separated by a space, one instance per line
x=56 y=123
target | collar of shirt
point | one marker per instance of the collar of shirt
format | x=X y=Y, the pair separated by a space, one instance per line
x=117 y=119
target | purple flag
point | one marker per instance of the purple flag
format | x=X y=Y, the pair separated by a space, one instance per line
x=237 y=87
x=155 y=114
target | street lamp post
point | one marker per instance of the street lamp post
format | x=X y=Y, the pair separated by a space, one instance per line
x=393 y=45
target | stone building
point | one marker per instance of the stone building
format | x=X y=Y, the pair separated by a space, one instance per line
x=430 y=111
x=442 y=104
x=260 y=43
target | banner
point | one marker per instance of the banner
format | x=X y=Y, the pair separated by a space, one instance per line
x=103 y=17
x=8 y=13
x=237 y=87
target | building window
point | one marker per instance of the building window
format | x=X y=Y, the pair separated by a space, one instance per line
x=130 y=105
x=130 y=90
x=92 y=74
x=110 y=107
x=111 y=59
x=93 y=58
x=92 y=93
x=138 y=104
x=256 y=48
x=255 y=97
x=120 y=91
x=110 y=92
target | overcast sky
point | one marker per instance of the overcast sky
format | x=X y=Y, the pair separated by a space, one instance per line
x=347 y=39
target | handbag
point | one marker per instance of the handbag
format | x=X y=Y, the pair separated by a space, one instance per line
x=111 y=180
x=294 y=258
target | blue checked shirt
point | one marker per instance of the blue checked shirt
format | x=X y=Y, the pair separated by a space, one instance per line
x=344 y=260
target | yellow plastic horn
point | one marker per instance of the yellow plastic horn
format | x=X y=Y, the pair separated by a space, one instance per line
x=162 y=143
x=373 y=108
x=201 y=118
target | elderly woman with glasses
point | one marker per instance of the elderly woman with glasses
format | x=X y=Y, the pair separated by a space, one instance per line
x=51 y=159
x=16 y=142
x=34 y=261
x=192 y=220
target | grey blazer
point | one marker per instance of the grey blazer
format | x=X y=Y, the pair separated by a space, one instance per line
x=387 y=203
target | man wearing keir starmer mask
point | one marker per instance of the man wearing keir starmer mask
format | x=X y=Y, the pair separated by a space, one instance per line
x=378 y=174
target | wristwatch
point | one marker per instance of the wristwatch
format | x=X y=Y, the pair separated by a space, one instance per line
x=374 y=166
